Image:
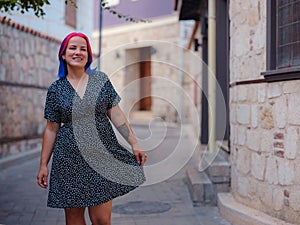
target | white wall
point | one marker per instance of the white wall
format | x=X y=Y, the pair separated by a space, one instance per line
x=53 y=23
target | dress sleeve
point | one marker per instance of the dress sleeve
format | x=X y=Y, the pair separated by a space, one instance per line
x=113 y=97
x=51 y=111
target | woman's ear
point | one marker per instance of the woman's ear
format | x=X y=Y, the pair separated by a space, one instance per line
x=63 y=57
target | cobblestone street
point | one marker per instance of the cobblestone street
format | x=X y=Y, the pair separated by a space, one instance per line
x=22 y=202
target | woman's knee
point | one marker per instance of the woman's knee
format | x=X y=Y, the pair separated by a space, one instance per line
x=101 y=214
x=100 y=221
x=75 y=216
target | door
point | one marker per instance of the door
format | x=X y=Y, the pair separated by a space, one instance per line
x=145 y=79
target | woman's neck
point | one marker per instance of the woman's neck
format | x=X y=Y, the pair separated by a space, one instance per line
x=76 y=74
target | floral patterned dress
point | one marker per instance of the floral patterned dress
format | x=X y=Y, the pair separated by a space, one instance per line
x=89 y=166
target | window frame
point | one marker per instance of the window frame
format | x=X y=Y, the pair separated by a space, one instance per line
x=272 y=73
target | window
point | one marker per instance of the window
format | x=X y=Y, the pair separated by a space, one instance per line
x=283 y=40
x=70 y=14
x=288 y=33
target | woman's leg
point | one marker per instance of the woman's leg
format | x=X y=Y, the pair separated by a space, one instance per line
x=101 y=214
x=75 y=216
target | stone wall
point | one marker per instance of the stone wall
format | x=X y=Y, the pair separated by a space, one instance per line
x=28 y=65
x=264 y=120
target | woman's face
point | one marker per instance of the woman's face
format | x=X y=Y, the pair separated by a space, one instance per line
x=76 y=54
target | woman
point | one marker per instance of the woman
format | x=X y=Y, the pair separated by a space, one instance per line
x=89 y=166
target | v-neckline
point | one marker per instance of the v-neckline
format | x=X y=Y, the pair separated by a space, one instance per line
x=86 y=88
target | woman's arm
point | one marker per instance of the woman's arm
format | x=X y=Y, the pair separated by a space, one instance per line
x=48 y=143
x=120 y=121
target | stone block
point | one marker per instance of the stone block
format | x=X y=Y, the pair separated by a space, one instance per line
x=243 y=114
x=219 y=173
x=297 y=171
x=259 y=42
x=254 y=116
x=2 y=73
x=199 y=185
x=243 y=161
x=265 y=193
x=241 y=44
x=292 y=143
x=286 y=172
x=233 y=95
x=280 y=112
x=253 y=139
x=222 y=187
x=271 y=170
x=294 y=200
x=243 y=186
x=266 y=118
x=274 y=90
x=291 y=87
x=261 y=93
x=258 y=165
x=233 y=114
x=277 y=199
x=294 y=109
x=252 y=17
x=266 y=144
x=241 y=135
x=233 y=134
x=242 y=93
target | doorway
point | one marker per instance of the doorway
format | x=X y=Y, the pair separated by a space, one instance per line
x=137 y=81
x=145 y=101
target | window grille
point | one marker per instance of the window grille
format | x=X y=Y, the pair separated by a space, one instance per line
x=288 y=33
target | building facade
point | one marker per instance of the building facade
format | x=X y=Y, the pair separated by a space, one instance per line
x=60 y=19
x=264 y=108
x=147 y=62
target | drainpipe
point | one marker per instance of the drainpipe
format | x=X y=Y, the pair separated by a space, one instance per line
x=212 y=75
x=181 y=65
x=100 y=35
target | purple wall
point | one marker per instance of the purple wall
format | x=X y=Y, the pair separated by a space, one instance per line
x=142 y=9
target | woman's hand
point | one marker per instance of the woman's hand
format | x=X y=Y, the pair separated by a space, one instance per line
x=140 y=156
x=119 y=120
x=48 y=143
x=42 y=177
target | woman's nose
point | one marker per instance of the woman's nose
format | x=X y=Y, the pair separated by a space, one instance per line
x=77 y=51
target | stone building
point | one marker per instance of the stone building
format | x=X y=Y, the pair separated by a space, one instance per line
x=28 y=64
x=264 y=112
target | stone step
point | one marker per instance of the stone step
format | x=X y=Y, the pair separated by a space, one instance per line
x=200 y=187
x=219 y=169
x=204 y=185
x=219 y=173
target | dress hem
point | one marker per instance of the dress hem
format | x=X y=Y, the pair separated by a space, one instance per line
x=92 y=204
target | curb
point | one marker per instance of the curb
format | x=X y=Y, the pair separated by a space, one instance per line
x=19 y=158
x=237 y=213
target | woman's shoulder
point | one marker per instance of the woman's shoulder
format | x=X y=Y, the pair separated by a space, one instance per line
x=100 y=75
x=55 y=84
